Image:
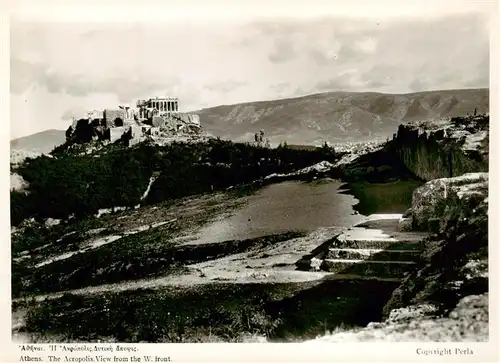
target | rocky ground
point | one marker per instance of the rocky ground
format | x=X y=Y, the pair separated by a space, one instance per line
x=468 y=322
x=353 y=150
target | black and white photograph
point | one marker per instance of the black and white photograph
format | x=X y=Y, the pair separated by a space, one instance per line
x=291 y=176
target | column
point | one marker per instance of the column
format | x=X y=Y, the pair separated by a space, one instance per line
x=176 y=106
x=168 y=106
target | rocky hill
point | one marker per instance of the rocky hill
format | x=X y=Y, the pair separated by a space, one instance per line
x=336 y=116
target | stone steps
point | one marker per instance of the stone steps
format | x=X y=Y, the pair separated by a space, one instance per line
x=374 y=249
x=388 y=244
x=372 y=254
x=370 y=268
x=344 y=276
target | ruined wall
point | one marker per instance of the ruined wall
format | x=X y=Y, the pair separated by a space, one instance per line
x=116 y=133
x=157 y=121
x=114 y=118
x=190 y=118
x=443 y=149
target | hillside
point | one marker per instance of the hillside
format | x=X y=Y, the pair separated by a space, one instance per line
x=338 y=116
x=41 y=142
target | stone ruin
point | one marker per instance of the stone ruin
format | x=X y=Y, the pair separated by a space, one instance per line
x=259 y=140
x=157 y=117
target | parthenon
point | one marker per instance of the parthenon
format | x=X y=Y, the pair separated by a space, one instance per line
x=157 y=105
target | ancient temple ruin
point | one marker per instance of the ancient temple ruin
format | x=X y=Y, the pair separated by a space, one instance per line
x=157 y=106
x=155 y=117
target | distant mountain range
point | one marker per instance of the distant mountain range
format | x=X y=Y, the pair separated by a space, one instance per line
x=312 y=119
x=338 y=116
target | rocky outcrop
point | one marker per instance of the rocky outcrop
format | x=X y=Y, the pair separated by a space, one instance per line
x=435 y=199
x=353 y=151
x=85 y=130
x=455 y=260
x=445 y=148
x=317 y=170
x=17 y=183
x=468 y=322
x=376 y=165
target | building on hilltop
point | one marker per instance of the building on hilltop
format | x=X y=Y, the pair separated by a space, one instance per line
x=157 y=106
x=154 y=117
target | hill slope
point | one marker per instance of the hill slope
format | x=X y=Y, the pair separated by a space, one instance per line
x=337 y=116
x=41 y=142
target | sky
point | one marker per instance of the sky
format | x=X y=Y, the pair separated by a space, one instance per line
x=66 y=62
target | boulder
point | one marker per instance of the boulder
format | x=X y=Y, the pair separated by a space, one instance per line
x=17 y=183
x=434 y=198
x=405 y=224
x=50 y=222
